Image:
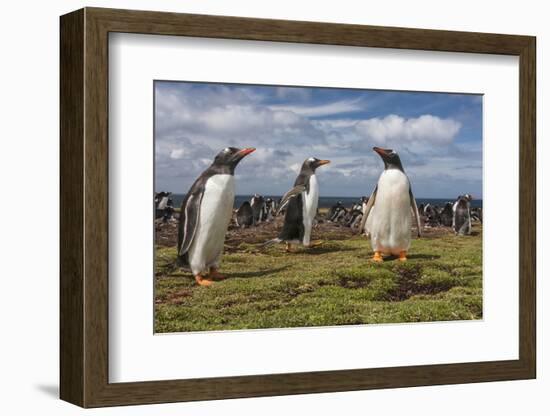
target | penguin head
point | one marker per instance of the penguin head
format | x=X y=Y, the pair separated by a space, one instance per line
x=390 y=157
x=313 y=163
x=229 y=157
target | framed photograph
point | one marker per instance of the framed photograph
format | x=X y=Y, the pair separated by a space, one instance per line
x=255 y=207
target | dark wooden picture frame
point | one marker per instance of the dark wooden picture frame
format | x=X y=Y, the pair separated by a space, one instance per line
x=84 y=207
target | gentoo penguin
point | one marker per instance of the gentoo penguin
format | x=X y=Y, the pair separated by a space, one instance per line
x=447 y=215
x=168 y=211
x=270 y=208
x=337 y=212
x=332 y=211
x=245 y=215
x=161 y=202
x=264 y=210
x=353 y=218
x=364 y=203
x=301 y=206
x=462 y=222
x=258 y=207
x=477 y=214
x=432 y=215
x=388 y=211
x=205 y=214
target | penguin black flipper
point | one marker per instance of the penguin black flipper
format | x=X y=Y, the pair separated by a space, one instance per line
x=189 y=215
x=368 y=208
x=415 y=212
x=297 y=190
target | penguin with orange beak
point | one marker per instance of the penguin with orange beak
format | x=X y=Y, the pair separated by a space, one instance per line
x=300 y=204
x=387 y=217
x=205 y=215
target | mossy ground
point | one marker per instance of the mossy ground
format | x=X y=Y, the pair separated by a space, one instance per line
x=332 y=284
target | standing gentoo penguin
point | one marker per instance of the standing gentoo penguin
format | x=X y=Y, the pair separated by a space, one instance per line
x=258 y=208
x=447 y=215
x=205 y=214
x=301 y=206
x=462 y=222
x=388 y=211
x=245 y=215
x=271 y=209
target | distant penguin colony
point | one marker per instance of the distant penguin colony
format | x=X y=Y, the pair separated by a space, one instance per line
x=387 y=219
x=354 y=216
x=205 y=214
x=300 y=204
x=351 y=217
x=434 y=216
x=384 y=217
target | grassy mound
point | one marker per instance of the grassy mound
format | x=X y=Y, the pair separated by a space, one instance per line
x=332 y=284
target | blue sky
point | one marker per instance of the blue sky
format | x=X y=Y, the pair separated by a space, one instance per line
x=437 y=135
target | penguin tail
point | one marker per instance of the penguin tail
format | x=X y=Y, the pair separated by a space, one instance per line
x=270 y=243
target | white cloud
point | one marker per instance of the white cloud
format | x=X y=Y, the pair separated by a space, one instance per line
x=335 y=123
x=426 y=129
x=177 y=153
x=338 y=107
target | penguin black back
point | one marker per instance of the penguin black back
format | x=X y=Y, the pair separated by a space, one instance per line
x=293 y=228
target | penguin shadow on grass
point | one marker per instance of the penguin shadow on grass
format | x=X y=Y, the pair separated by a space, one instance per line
x=324 y=249
x=421 y=256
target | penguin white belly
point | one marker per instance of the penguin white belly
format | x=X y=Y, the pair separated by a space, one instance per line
x=310 y=200
x=389 y=222
x=214 y=216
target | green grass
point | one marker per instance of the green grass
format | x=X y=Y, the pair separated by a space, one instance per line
x=333 y=284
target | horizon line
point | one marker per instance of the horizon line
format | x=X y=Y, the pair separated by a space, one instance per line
x=335 y=196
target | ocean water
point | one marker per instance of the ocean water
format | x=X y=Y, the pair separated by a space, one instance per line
x=329 y=201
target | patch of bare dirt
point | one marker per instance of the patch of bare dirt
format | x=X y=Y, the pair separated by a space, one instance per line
x=176 y=297
x=408 y=284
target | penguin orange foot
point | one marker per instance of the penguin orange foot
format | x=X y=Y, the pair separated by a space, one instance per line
x=377 y=257
x=201 y=281
x=215 y=274
x=402 y=256
x=288 y=248
x=316 y=243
